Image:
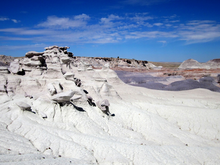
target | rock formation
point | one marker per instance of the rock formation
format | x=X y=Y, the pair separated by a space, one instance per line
x=50 y=75
x=5 y=60
x=49 y=115
x=193 y=64
x=104 y=106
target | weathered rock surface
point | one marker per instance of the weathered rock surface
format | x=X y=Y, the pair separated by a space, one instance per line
x=63 y=97
x=6 y=60
x=31 y=54
x=4 y=69
x=193 y=64
x=14 y=67
x=23 y=106
x=149 y=126
x=69 y=76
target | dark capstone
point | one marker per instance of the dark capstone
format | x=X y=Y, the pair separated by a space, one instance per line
x=70 y=54
x=21 y=72
x=128 y=61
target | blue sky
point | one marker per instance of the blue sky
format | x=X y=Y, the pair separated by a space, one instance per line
x=153 y=30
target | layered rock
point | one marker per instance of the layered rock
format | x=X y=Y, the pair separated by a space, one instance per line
x=4 y=70
x=56 y=117
x=50 y=63
x=193 y=64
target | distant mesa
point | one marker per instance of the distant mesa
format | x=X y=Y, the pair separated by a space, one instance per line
x=193 y=64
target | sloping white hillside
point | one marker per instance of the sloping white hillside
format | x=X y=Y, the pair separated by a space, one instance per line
x=149 y=126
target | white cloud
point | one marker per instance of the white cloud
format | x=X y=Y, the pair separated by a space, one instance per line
x=141 y=18
x=150 y=34
x=64 y=22
x=158 y=24
x=15 y=21
x=199 y=31
x=114 y=28
x=109 y=19
x=163 y=42
x=7 y=19
x=82 y=17
x=3 y=19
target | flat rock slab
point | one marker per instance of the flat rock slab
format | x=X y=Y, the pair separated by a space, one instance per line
x=63 y=97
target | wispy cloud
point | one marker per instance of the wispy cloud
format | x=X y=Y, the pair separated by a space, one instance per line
x=15 y=21
x=151 y=34
x=163 y=42
x=110 y=21
x=21 y=47
x=158 y=24
x=7 y=19
x=64 y=22
x=27 y=31
x=3 y=19
x=198 y=31
x=114 y=28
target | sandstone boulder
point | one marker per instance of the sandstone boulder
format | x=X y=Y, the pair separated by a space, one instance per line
x=103 y=105
x=14 y=66
x=69 y=76
x=23 y=106
x=33 y=53
x=63 y=97
x=65 y=59
x=51 y=89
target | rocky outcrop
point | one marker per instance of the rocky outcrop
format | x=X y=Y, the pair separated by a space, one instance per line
x=31 y=54
x=50 y=63
x=193 y=64
x=4 y=70
x=121 y=62
x=214 y=64
x=63 y=97
x=5 y=60
x=14 y=66
x=54 y=70
x=49 y=116
x=24 y=106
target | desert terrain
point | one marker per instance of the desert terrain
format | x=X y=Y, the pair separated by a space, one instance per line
x=57 y=108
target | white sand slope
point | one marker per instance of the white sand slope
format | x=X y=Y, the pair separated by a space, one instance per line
x=149 y=126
